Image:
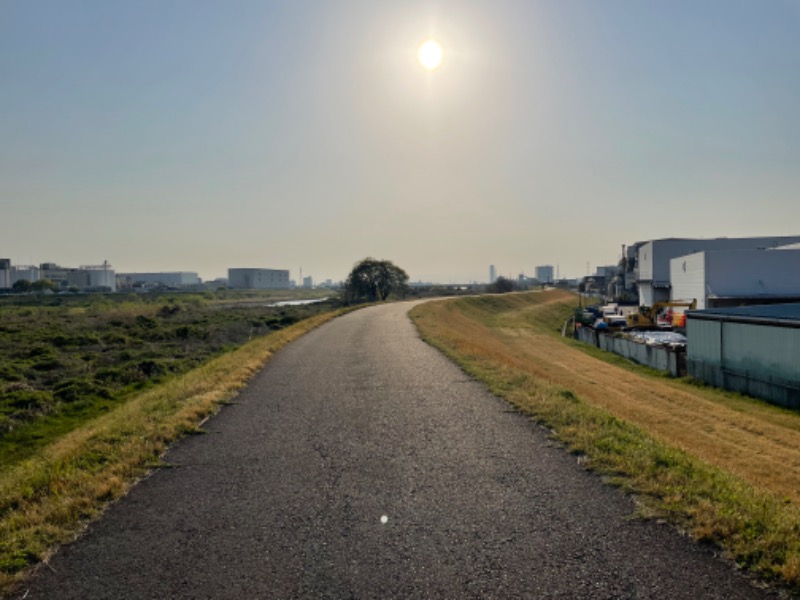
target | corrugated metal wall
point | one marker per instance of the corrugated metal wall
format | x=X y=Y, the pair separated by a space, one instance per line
x=773 y=352
x=704 y=340
x=759 y=360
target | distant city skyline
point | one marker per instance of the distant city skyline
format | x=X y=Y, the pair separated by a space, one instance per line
x=301 y=280
x=199 y=136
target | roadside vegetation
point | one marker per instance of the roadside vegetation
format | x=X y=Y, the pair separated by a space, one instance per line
x=719 y=466
x=64 y=360
x=93 y=389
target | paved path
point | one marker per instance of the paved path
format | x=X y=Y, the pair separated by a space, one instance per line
x=358 y=423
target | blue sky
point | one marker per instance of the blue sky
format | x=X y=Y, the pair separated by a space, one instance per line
x=198 y=135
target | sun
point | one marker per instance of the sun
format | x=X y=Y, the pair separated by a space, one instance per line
x=430 y=54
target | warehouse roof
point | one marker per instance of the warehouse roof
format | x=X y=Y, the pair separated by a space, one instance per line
x=774 y=314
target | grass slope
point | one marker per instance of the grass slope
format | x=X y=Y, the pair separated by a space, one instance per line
x=48 y=498
x=722 y=467
x=66 y=360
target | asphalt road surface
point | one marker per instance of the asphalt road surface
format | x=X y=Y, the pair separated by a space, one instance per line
x=361 y=463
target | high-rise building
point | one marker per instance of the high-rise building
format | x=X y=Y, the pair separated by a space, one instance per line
x=492 y=274
x=5 y=273
x=544 y=273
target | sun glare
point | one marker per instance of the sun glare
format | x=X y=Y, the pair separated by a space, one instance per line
x=430 y=55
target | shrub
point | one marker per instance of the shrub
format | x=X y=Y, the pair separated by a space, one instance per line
x=29 y=400
x=151 y=368
x=146 y=322
x=73 y=390
x=47 y=364
x=169 y=310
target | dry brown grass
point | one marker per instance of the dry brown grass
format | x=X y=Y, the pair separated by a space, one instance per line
x=721 y=466
x=751 y=439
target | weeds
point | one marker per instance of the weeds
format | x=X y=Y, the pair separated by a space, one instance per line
x=45 y=499
x=63 y=364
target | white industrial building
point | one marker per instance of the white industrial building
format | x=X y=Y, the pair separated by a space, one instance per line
x=258 y=279
x=90 y=278
x=101 y=278
x=653 y=259
x=20 y=272
x=718 y=278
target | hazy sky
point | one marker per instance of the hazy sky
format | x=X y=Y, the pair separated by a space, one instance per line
x=199 y=135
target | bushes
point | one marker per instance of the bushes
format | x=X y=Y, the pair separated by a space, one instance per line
x=93 y=350
x=27 y=399
x=73 y=390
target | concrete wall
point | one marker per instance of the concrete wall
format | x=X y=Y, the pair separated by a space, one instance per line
x=656 y=357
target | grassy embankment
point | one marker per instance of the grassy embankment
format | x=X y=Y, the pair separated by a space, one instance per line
x=67 y=359
x=722 y=467
x=48 y=495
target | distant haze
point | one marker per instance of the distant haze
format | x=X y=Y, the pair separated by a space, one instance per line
x=196 y=135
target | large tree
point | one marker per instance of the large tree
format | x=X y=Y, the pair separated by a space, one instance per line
x=503 y=285
x=22 y=286
x=44 y=284
x=372 y=280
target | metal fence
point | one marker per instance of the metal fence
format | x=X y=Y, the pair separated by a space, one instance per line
x=772 y=389
x=671 y=360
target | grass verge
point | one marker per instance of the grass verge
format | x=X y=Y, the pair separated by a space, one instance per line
x=758 y=527
x=47 y=500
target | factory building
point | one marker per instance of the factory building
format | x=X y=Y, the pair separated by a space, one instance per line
x=258 y=279
x=752 y=350
x=718 y=278
x=173 y=279
x=19 y=272
x=99 y=278
x=652 y=264
x=89 y=278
